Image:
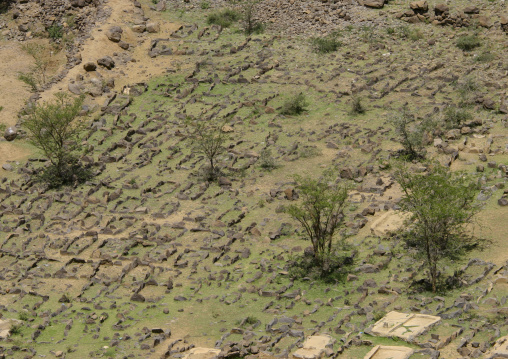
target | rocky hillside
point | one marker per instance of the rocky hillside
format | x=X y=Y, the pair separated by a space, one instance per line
x=149 y=259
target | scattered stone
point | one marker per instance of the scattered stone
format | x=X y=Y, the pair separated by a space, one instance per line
x=10 y=134
x=376 y=4
x=152 y=27
x=114 y=33
x=89 y=66
x=106 y=62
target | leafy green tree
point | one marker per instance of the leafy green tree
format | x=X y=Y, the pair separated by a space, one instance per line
x=54 y=129
x=320 y=211
x=440 y=204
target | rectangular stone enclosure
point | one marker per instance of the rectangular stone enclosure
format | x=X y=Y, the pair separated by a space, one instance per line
x=389 y=352
x=404 y=326
x=314 y=347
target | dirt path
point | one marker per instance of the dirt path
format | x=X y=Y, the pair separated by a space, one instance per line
x=13 y=93
x=142 y=69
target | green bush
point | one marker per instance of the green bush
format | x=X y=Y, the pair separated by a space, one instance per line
x=455 y=117
x=204 y=5
x=55 y=32
x=327 y=44
x=468 y=42
x=15 y=329
x=224 y=18
x=485 y=56
x=295 y=105
x=330 y=267
x=266 y=160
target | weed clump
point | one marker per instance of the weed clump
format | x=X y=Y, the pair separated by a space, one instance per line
x=410 y=33
x=224 y=18
x=468 y=42
x=327 y=44
x=295 y=105
x=266 y=160
x=357 y=106
x=55 y=32
x=455 y=117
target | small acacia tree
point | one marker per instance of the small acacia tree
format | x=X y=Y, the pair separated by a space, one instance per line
x=54 y=129
x=209 y=138
x=440 y=204
x=320 y=212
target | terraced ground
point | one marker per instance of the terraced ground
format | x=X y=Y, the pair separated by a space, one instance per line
x=148 y=259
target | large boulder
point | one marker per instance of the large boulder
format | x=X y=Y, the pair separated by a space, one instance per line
x=106 y=62
x=419 y=6
x=10 y=134
x=376 y=4
x=114 y=33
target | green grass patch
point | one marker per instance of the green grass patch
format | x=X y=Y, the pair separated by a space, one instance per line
x=224 y=18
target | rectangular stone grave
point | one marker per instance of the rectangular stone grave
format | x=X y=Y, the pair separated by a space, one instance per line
x=314 y=347
x=404 y=326
x=202 y=353
x=389 y=352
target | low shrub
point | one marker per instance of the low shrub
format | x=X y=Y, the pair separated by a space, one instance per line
x=468 y=42
x=55 y=32
x=356 y=105
x=329 y=267
x=325 y=45
x=224 y=18
x=295 y=105
x=455 y=117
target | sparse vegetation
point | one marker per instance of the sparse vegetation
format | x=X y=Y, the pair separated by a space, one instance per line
x=357 y=105
x=455 y=117
x=37 y=76
x=326 y=44
x=295 y=105
x=251 y=25
x=209 y=139
x=467 y=90
x=411 y=133
x=266 y=160
x=204 y=5
x=15 y=329
x=485 y=56
x=410 y=33
x=468 y=42
x=55 y=32
x=224 y=18
x=440 y=204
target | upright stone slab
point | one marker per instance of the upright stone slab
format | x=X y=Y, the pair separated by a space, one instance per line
x=500 y=349
x=314 y=347
x=202 y=353
x=404 y=326
x=389 y=352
